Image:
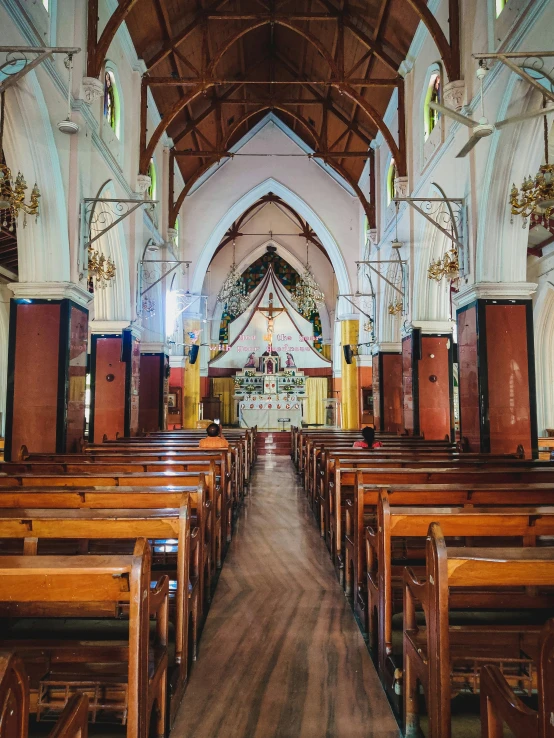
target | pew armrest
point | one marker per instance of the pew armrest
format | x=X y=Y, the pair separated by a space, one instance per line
x=73 y=722
x=500 y=705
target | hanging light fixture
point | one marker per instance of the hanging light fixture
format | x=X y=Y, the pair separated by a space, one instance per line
x=448 y=266
x=395 y=307
x=233 y=294
x=536 y=195
x=396 y=244
x=148 y=306
x=307 y=293
x=100 y=268
x=12 y=197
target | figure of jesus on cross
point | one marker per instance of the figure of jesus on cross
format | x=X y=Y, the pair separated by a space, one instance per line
x=270 y=313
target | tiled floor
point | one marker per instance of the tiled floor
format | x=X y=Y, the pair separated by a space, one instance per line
x=281 y=655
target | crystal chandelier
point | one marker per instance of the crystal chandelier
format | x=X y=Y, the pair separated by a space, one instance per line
x=536 y=195
x=448 y=266
x=307 y=293
x=12 y=197
x=233 y=294
x=100 y=268
x=395 y=307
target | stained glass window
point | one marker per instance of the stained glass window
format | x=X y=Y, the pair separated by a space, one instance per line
x=391 y=176
x=152 y=175
x=433 y=95
x=288 y=276
x=111 y=102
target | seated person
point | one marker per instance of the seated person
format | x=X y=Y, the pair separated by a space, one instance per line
x=214 y=439
x=369 y=439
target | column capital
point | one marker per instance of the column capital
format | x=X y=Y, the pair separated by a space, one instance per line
x=51 y=291
x=364 y=360
x=494 y=291
x=177 y=362
x=154 y=348
x=386 y=348
x=428 y=327
x=108 y=326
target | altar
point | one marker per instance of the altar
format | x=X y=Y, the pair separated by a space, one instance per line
x=271 y=356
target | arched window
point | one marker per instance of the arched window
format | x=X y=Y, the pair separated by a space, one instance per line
x=500 y=5
x=112 y=106
x=431 y=117
x=391 y=176
x=152 y=175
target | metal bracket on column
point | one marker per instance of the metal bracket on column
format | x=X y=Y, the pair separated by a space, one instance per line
x=146 y=274
x=372 y=265
x=449 y=221
x=18 y=63
x=530 y=66
x=112 y=211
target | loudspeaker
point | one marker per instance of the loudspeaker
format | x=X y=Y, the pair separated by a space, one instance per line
x=348 y=353
x=193 y=355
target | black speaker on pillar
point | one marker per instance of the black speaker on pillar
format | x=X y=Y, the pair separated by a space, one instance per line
x=193 y=355
x=348 y=353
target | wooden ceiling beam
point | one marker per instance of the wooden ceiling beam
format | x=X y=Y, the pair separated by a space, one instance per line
x=97 y=48
x=449 y=51
x=212 y=80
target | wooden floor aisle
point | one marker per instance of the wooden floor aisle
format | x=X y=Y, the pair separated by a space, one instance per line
x=281 y=655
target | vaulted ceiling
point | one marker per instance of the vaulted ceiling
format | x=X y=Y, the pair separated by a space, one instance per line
x=280 y=55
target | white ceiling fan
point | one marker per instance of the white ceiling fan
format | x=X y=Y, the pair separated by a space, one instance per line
x=482 y=128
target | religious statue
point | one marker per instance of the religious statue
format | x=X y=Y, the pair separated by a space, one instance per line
x=270 y=313
x=290 y=362
x=251 y=361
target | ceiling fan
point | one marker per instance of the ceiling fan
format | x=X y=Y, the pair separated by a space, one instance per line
x=482 y=128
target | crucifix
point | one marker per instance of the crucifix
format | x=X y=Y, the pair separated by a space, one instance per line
x=270 y=313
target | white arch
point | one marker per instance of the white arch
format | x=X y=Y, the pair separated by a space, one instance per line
x=29 y=145
x=295 y=263
x=301 y=207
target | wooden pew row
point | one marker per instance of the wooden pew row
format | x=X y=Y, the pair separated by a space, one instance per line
x=212 y=468
x=230 y=433
x=99 y=476
x=391 y=474
x=446 y=659
x=398 y=539
x=500 y=705
x=15 y=702
x=333 y=460
x=174 y=529
x=237 y=464
x=131 y=668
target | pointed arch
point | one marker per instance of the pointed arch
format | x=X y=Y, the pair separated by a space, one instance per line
x=301 y=207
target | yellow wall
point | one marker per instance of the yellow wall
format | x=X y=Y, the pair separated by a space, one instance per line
x=191 y=389
x=350 y=400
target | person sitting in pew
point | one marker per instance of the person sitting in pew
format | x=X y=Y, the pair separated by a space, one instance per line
x=369 y=439
x=214 y=439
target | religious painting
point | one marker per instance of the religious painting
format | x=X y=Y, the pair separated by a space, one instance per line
x=172 y=400
x=290 y=362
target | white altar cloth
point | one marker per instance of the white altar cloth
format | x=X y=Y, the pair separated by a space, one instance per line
x=267 y=418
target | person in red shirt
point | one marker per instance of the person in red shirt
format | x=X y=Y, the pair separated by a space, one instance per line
x=369 y=439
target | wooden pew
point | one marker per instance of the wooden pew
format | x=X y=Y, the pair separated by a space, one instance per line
x=500 y=705
x=362 y=510
x=407 y=527
x=444 y=659
x=14 y=704
x=212 y=468
x=113 y=531
x=133 y=669
x=391 y=474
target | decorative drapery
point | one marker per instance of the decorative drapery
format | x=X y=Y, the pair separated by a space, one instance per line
x=224 y=387
x=317 y=390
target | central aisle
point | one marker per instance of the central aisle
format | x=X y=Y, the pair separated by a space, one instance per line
x=281 y=655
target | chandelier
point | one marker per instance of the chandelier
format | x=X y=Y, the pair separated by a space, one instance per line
x=100 y=268
x=233 y=294
x=448 y=266
x=536 y=194
x=395 y=307
x=12 y=197
x=307 y=293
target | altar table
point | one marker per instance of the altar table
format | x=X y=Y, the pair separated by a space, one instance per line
x=268 y=418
